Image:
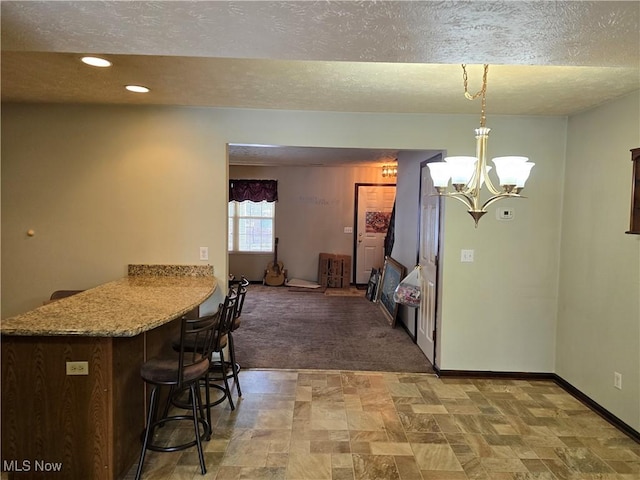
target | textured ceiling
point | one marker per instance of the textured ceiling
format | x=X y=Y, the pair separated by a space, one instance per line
x=547 y=58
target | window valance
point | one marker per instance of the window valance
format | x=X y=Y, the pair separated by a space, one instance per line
x=253 y=190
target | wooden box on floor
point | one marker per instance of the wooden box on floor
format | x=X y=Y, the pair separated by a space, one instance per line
x=334 y=271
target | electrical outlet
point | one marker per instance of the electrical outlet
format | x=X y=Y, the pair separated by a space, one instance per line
x=77 y=368
x=204 y=253
x=617 y=380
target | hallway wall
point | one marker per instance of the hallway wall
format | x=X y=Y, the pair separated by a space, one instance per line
x=598 y=329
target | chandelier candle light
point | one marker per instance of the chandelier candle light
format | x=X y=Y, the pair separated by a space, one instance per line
x=390 y=170
x=469 y=174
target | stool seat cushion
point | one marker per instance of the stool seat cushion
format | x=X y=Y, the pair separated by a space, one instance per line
x=165 y=371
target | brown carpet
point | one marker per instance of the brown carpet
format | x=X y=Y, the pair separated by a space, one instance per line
x=288 y=329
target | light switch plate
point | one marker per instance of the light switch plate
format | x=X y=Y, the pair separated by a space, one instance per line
x=466 y=256
x=617 y=380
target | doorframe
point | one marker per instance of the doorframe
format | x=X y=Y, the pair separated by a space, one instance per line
x=355 y=224
x=423 y=164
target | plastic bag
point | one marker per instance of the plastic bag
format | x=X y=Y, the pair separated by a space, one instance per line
x=408 y=290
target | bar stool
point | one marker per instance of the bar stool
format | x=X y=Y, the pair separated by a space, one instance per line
x=218 y=368
x=184 y=371
x=240 y=288
x=224 y=317
x=58 y=294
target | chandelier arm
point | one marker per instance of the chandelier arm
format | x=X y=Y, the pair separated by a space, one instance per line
x=500 y=196
x=475 y=187
x=472 y=189
x=490 y=186
x=461 y=197
x=474 y=197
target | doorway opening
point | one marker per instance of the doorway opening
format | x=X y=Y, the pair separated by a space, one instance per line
x=373 y=207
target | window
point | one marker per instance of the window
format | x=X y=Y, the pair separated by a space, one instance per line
x=251 y=215
x=251 y=226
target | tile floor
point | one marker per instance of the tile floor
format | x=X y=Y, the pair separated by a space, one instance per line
x=331 y=425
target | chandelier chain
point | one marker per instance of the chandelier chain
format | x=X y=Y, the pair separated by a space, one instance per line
x=480 y=93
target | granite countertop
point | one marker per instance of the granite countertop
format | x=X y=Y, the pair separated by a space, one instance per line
x=148 y=297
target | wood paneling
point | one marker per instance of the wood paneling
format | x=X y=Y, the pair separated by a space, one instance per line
x=90 y=424
x=48 y=416
x=128 y=402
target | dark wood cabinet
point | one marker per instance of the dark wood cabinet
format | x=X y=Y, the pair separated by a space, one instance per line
x=635 y=193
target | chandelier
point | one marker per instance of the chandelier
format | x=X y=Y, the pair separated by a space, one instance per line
x=390 y=170
x=469 y=174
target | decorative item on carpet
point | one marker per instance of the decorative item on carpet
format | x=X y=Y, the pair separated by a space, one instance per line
x=299 y=285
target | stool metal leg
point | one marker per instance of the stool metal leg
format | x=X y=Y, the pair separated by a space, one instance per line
x=224 y=379
x=234 y=365
x=147 y=433
x=165 y=413
x=207 y=397
x=196 y=404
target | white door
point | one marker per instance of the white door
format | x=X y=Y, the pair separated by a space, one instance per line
x=375 y=204
x=428 y=260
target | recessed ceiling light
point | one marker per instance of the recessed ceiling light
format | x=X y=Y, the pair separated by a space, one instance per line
x=96 y=61
x=137 y=88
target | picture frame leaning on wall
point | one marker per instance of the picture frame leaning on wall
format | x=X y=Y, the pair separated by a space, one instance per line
x=392 y=273
x=372 y=286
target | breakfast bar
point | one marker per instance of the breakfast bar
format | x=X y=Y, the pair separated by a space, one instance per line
x=73 y=401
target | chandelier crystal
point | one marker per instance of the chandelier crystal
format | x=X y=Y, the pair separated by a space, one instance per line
x=469 y=174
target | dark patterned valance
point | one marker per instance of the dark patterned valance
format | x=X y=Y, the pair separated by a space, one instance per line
x=253 y=190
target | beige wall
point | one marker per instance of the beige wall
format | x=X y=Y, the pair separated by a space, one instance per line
x=106 y=186
x=102 y=188
x=499 y=312
x=599 y=305
x=314 y=205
